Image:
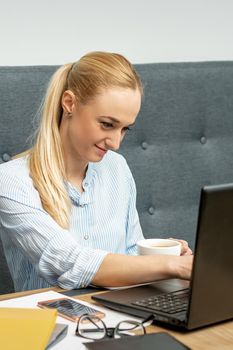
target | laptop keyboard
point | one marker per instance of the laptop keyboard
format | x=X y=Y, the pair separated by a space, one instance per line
x=170 y=302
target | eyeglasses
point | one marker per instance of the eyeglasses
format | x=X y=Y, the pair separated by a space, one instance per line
x=92 y=327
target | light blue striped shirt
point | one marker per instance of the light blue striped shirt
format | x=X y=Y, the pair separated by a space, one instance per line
x=103 y=219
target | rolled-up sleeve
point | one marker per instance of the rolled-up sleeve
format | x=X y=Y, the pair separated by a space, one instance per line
x=54 y=253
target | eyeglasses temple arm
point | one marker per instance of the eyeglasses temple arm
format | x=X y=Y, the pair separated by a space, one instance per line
x=149 y=318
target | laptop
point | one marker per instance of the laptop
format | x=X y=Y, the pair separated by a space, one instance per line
x=208 y=298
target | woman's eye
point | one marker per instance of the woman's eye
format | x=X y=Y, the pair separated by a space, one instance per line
x=107 y=125
x=127 y=128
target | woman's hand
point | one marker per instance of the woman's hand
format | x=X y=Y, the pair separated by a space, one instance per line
x=182 y=266
x=185 y=250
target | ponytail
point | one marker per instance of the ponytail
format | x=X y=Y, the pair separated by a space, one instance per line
x=46 y=161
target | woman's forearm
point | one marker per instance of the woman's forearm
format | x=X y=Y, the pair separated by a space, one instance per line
x=120 y=270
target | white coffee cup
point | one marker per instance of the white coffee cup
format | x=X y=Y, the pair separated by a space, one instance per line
x=153 y=246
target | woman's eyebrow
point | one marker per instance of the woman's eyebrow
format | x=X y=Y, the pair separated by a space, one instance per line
x=114 y=119
x=111 y=118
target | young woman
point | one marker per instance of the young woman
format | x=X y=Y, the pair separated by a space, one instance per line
x=68 y=205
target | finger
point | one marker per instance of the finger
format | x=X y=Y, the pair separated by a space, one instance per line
x=185 y=250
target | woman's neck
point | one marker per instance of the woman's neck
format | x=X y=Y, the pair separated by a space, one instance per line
x=76 y=176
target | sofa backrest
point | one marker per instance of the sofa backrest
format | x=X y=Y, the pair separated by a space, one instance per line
x=183 y=138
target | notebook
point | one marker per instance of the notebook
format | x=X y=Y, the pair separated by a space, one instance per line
x=59 y=332
x=208 y=298
x=25 y=328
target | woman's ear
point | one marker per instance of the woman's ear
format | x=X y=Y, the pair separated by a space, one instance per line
x=68 y=101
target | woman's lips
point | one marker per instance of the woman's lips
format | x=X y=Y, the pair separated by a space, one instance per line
x=101 y=150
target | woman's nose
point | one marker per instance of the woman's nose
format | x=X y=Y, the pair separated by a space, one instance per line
x=114 y=141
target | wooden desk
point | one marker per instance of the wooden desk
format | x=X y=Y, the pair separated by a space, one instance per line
x=218 y=337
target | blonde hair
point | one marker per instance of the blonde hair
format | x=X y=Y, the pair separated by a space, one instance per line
x=85 y=78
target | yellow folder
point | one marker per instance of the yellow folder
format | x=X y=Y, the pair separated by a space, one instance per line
x=26 y=329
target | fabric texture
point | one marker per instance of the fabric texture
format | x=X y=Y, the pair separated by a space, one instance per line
x=39 y=252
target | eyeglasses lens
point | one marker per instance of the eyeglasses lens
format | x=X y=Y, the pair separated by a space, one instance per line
x=129 y=328
x=91 y=327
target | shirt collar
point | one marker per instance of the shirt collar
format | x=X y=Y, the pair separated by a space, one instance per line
x=81 y=199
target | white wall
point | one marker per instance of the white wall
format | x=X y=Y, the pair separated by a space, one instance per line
x=58 y=31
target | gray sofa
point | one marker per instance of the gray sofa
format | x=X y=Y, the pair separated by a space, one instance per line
x=183 y=138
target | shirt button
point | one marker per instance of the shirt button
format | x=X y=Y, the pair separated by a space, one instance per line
x=151 y=210
x=86 y=237
x=203 y=140
x=144 y=145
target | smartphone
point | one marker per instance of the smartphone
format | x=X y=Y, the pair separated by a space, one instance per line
x=69 y=309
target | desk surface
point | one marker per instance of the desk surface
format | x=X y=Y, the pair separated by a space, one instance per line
x=214 y=337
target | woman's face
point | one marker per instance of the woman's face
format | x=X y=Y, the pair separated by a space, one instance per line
x=98 y=126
